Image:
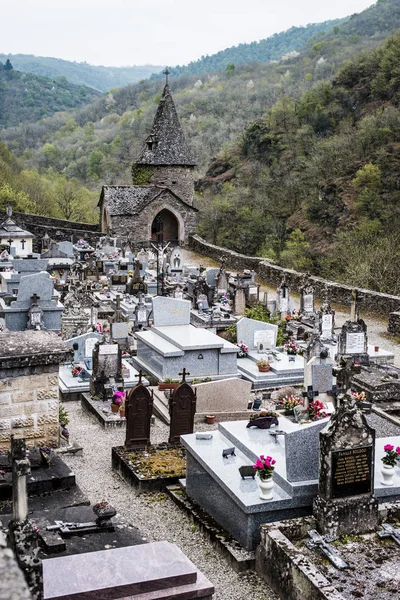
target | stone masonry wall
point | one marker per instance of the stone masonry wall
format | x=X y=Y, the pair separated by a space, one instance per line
x=29 y=406
x=179 y=179
x=272 y=274
x=57 y=229
x=138 y=227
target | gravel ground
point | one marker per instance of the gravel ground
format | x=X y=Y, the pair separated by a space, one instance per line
x=155 y=515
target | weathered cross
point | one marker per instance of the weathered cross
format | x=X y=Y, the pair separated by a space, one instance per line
x=184 y=373
x=166 y=73
x=140 y=375
x=20 y=470
x=389 y=531
x=355 y=305
x=322 y=542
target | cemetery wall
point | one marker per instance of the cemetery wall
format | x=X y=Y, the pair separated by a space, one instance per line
x=12 y=581
x=57 y=229
x=272 y=274
x=29 y=407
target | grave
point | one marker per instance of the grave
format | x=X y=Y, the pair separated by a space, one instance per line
x=353 y=339
x=215 y=484
x=36 y=289
x=283 y=298
x=226 y=399
x=172 y=343
x=346 y=503
x=260 y=338
x=158 y=570
x=182 y=408
x=138 y=412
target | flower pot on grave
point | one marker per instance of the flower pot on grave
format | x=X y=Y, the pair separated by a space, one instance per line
x=289 y=412
x=122 y=411
x=210 y=419
x=264 y=369
x=387 y=475
x=114 y=408
x=266 y=488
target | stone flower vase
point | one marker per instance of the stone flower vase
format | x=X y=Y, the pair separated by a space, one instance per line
x=266 y=486
x=387 y=474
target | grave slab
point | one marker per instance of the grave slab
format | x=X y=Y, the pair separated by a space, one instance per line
x=170 y=311
x=155 y=570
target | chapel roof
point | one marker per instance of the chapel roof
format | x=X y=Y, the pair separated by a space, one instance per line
x=9 y=228
x=132 y=199
x=166 y=144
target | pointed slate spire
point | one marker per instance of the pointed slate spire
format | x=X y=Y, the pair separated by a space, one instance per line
x=166 y=144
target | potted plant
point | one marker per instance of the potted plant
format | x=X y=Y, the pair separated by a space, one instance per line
x=263 y=420
x=388 y=464
x=76 y=370
x=118 y=400
x=288 y=403
x=264 y=467
x=243 y=350
x=168 y=384
x=263 y=366
x=210 y=419
x=291 y=348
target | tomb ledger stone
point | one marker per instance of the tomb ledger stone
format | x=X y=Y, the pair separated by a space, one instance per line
x=138 y=412
x=345 y=503
x=182 y=408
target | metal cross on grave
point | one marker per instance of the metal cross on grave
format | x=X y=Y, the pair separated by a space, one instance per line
x=309 y=395
x=184 y=373
x=140 y=375
x=357 y=298
x=10 y=241
x=35 y=299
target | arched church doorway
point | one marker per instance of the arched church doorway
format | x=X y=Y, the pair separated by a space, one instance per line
x=165 y=227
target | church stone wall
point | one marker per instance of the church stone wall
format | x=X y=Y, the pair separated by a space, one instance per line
x=138 y=227
x=178 y=179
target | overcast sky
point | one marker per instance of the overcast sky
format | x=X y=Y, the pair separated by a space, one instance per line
x=163 y=32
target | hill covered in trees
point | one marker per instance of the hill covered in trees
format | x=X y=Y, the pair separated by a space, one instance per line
x=271 y=48
x=99 y=77
x=26 y=98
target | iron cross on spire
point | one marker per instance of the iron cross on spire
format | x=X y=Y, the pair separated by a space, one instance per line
x=166 y=73
x=184 y=373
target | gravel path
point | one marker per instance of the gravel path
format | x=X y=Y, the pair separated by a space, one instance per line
x=155 y=515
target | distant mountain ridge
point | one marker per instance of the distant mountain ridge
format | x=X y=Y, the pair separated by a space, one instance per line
x=270 y=48
x=99 y=77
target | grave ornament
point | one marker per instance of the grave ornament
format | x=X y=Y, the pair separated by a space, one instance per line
x=138 y=412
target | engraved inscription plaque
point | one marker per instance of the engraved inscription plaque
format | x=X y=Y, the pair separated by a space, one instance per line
x=351 y=472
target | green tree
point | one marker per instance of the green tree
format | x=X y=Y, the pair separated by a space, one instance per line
x=8 y=66
x=296 y=253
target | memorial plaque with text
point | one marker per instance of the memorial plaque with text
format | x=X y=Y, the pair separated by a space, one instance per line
x=355 y=343
x=352 y=472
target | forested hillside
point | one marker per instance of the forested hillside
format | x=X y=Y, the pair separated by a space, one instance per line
x=271 y=48
x=100 y=78
x=315 y=183
x=26 y=98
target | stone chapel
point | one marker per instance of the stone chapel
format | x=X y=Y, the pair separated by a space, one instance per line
x=158 y=207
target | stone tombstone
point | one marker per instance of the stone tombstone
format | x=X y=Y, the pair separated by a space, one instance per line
x=221 y=281
x=326 y=318
x=141 y=313
x=321 y=377
x=353 y=341
x=120 y=332
x=182 y=408
x=138 y=412
x=176 y=260
x=252 y=332
x=283 y=297
x=170 y=311
x=345 y=503
x=107 y=370
x=85 y=344
x=202 y=302
x=41 y=284
x=67 y=248
x=239 y=301
x=306 y=296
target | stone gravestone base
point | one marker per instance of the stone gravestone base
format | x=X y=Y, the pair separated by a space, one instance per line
x=346 y=516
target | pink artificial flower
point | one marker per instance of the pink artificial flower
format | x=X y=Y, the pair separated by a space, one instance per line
x=388 y=448
x=262 y=456
x=398 y=450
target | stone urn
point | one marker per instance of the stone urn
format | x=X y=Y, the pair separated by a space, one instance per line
x=266 y=488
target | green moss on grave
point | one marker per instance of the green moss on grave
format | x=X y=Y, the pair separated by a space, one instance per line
x=141 y=174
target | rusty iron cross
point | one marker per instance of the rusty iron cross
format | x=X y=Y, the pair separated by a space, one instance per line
x=184 y=373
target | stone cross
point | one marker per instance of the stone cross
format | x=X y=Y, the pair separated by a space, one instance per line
x=344 y=375
x=355 y=306
x=140 y=375
x=322 y=542
x=21 y=467
x=184 y=373
x=389 y=531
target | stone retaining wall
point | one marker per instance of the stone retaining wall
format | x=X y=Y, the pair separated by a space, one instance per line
x=272 y=274
x=57 y=229
x=394 y=323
